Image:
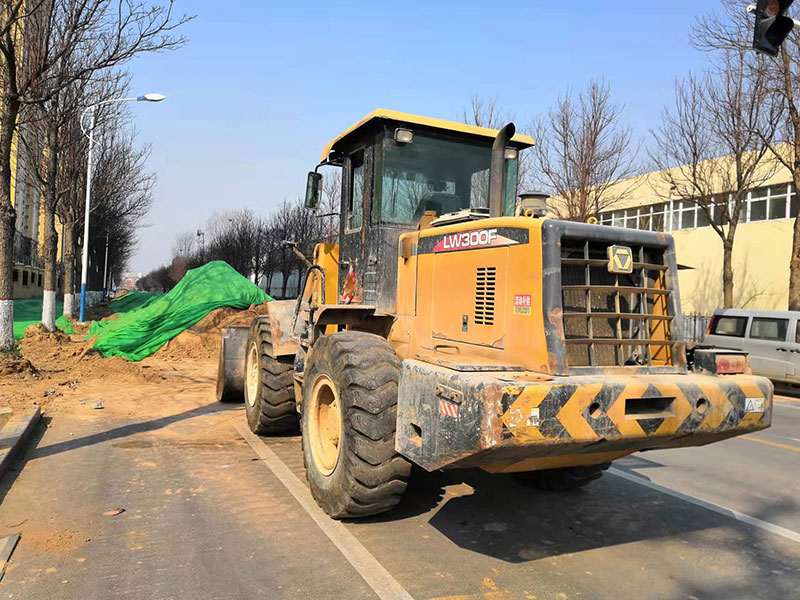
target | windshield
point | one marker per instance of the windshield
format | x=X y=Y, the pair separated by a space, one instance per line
x=440 y=175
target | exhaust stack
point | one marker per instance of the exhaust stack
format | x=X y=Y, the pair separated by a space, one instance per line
x=497 y=170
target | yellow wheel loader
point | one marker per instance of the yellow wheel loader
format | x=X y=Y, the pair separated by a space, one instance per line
x=454 y=326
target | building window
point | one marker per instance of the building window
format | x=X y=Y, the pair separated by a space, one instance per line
x=757 y=200
x=40 y=275
x=778 y=195
x=15 y=276
x=766 y=203
x=24 y=278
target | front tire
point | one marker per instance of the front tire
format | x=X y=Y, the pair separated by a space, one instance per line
x=269 y=385
x=348 y=423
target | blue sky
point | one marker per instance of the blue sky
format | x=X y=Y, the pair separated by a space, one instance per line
x=262 y=86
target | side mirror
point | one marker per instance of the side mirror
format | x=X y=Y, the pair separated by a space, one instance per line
x=313 y=190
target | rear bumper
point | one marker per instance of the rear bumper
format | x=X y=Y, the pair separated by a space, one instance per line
x=501 y=423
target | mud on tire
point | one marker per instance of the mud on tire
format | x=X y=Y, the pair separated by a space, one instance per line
x=566 y=478
x=368 y=477
x=269 y=385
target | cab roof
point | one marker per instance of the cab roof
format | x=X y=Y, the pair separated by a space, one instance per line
x=518 y=141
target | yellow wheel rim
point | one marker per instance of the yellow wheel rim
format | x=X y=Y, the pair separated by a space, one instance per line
x=324 y=424
x=252 y=375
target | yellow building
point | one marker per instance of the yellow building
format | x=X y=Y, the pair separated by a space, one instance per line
x=762 y=246
x=28 y=274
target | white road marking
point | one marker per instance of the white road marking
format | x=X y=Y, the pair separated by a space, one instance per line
x=373 y=572
x=723 y=510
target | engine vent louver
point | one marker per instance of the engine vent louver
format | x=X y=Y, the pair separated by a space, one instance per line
x=485 y=284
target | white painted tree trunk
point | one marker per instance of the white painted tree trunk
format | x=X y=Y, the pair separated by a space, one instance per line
x=69 y=306
x=49 y=310
x=7 y=321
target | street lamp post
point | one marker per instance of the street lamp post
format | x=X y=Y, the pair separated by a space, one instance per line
x=85 y=259
x=105 y=271
x=105 y=263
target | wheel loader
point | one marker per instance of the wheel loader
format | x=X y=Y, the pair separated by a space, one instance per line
x=454 y=325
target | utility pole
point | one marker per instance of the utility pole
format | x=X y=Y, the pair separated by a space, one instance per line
x=85 y=260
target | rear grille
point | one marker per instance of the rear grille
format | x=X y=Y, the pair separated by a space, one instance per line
x=615 y=319
x=485 y=283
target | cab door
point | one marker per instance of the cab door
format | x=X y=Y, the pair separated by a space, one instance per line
x=793 y=369
x=768 y=346
x=356 y=270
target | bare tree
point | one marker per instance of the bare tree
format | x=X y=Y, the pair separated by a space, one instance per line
x=715 y=134
x=583 y=153
x=485 y=112
x=39 y=37
x=122 y=195
x=51 y=133
x=185 y=244
x=731 y=29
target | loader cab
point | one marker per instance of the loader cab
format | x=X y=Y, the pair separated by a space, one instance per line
x=396 y=169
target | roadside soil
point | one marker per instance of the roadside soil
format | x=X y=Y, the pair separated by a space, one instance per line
x=60 y=372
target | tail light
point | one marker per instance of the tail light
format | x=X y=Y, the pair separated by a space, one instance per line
x=711 y=325
x=715 y=361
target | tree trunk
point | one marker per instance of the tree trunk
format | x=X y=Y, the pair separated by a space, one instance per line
x=50 y=253
x=7 y=220
x=284 y=283
x=794 y=261
x=8 y=217
x=69 y=267
x=50 y=237
x=727 y=273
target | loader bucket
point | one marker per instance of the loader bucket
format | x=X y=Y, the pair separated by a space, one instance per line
x=230 y=376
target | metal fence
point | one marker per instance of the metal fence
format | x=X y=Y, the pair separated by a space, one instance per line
x=694 y=328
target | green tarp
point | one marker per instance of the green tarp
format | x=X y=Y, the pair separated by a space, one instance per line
x=141 y=331
x=28 y=311
x=131 y=301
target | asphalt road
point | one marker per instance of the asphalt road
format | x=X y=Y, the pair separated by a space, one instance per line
x=206 y=517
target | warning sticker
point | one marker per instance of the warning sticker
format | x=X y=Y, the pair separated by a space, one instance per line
x=753 y=405
x=522 y=304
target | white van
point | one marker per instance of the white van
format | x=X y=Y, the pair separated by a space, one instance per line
x=770 y=337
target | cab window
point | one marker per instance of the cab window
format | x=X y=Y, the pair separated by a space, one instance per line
x=729 y=326
x=355 y=206
x=769 y=329
x=440 y=175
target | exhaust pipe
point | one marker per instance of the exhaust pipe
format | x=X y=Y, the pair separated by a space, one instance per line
x=497 y=170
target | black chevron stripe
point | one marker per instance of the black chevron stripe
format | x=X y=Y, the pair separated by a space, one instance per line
x=737 y=398
x=550 y=426
x=649 y=426
x=692 y=392
x=603 y=426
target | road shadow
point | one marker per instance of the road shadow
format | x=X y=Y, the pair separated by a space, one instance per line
x=786 y=389
x=24 y=455
x=424 y=493
x=514 y=522
x=130 y=429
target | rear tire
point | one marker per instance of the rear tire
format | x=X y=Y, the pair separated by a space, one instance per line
x=566 y=478
x=269 y=385
x=348 y=422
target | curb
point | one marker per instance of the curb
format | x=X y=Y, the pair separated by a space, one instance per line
x=14 y=435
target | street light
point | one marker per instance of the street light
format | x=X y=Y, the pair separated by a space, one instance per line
x=105 y=264
x=85 y=260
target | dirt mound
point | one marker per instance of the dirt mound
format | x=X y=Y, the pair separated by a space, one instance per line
x=16 y=366
x=202 y=340
x=92 y=365
x=37 y=333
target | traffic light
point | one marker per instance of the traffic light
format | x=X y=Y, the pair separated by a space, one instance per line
x=772 y=25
